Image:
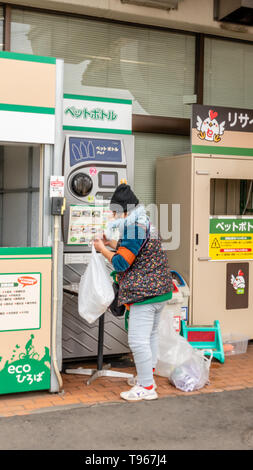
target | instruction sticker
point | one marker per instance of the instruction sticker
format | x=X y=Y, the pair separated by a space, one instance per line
x=20 y=301
x=57 y=186
x=231 y=238
x=87 y=222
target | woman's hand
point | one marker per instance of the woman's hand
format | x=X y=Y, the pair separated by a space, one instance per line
x=105 y=241
x=99 y=245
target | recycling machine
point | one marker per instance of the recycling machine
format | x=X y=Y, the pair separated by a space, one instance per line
x=93 y=166
x=213 y=187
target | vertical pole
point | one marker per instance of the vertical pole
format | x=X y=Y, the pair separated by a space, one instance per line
x=100 y=342
x=199 y=67
x=57 y=291
x=29 y=197
x=7 y=28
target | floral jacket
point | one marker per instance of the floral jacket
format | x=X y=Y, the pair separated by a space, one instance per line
x=141 y=263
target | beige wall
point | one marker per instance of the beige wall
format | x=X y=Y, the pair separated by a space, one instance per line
x=192 y=15
x=27 y=83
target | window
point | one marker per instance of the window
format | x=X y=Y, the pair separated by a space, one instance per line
x=147 y=148
x=228 y=73
x=19 y=197
x=231 y=197
x=154 y=68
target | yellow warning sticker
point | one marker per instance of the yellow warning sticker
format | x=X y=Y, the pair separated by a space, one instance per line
x=231 y=239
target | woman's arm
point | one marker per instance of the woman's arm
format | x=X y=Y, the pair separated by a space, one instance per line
x=127 y=251
x=112 y=244
x=100 y=246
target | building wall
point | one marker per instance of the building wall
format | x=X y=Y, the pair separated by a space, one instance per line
x=191 y=15
x=155 y=67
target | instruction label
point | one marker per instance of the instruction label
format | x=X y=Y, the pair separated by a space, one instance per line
x=57 y=186
x=20 y=301
x=87 y=222
x=231 y=238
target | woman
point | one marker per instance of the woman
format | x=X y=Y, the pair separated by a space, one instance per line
x=145 y=284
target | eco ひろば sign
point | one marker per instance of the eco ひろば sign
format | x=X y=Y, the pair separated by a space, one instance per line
x=25 y=370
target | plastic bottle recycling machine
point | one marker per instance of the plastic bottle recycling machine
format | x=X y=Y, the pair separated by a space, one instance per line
x=93 y=166
x=213 y=188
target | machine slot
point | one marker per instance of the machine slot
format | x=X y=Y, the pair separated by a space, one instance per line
x=231 y=196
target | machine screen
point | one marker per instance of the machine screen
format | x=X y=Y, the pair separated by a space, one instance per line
x=107 y=180
x=88 y=149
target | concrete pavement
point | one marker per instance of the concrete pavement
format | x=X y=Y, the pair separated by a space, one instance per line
x=213 y=421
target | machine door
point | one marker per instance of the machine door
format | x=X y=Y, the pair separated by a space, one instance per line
x=25 y=273
x=222 y=244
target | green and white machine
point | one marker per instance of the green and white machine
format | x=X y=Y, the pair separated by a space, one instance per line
x=30 y=247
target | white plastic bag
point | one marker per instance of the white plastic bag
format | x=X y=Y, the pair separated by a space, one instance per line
x=173 y=349
x=95 y=289
x=193 y=374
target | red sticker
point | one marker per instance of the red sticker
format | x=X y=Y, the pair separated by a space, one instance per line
x=93 y=171
x=27 y=281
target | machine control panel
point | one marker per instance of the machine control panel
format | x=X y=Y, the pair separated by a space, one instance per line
x=93 y=168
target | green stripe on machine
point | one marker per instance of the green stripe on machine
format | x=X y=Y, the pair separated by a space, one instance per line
x=211 y=150
x=96 y=129
x=26 y=109
x=27 y=57
x=97 y=98
x=26 y=250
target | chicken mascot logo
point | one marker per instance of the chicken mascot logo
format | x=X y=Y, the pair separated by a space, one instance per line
x=238 y=282
x=210 y=129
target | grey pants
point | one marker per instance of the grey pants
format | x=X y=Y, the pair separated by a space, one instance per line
x=143 y=339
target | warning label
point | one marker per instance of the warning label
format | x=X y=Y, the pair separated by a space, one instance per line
x=231 y=238
x=215 y=243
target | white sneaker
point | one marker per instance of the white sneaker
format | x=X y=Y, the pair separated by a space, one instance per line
x=138 y=393
x=134 y=381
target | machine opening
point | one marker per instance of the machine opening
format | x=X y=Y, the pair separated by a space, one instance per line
x=81 y=184
x=19 y=197
x=231 y=196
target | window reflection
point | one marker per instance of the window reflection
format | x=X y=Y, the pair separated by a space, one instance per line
x=154 y=68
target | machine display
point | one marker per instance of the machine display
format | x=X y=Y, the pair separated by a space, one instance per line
x=93 y=168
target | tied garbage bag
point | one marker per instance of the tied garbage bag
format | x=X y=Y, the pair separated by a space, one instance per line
x=185 y=367
x=193 y=374
x=173 y=349
x=95 y=289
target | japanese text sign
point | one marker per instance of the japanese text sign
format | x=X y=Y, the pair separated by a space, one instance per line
x=231 y=238
x=87 y=149
x=84 y=113
x=222 y=131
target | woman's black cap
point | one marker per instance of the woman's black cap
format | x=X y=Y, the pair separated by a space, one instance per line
x=122 y=198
